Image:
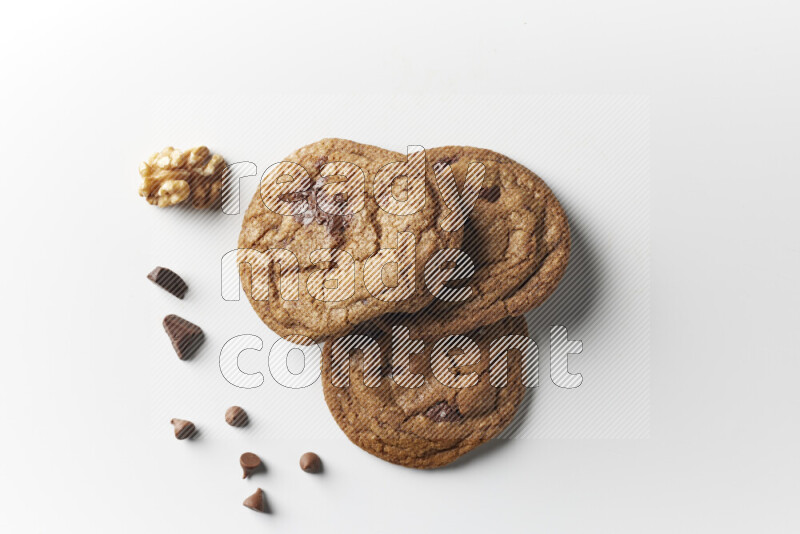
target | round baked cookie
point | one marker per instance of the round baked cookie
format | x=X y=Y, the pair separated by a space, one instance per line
x=517 y=237
x=434 y=423
x=319 y=218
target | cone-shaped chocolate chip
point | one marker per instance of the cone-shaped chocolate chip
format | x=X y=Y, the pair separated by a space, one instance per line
x=256 y=501
x=236 y=416
x=186 y=337
x=183 y=429
x=250 y=463
x=169 y=281
x=310 y=463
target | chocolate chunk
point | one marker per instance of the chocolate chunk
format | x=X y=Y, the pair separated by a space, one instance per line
x=236 y=416
x=442 y=412
x=257 y=501
x=169 y=281
x=183 y=429
x=491 y=194
x=250 y=463
x=310 y=463
x=186 y=337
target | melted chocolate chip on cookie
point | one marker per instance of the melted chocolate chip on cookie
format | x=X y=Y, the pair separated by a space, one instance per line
x=294 y=196
x=321 y=162
x=442 y=412
x=334 y=223
x=492 y=194
x=442 y=162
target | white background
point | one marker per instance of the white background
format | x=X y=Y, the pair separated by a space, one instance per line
x=85 y=377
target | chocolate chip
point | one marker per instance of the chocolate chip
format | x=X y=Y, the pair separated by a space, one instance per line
x=169 y=281
x=250 y=463
x=183 y=429
x=491 y=194
x=257 y=502
x=186 y=337
x=236 y=416
x=442 y=412
x=310 y=463
x=336 y=224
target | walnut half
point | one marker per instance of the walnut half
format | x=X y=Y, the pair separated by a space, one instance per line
x=172 y=176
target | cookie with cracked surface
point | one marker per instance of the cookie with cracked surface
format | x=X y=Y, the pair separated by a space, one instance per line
x=320 y=200
x=516 y=235
x=461 y=401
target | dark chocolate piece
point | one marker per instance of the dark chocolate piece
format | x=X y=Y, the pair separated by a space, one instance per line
x=168 y=280
x=186 y=337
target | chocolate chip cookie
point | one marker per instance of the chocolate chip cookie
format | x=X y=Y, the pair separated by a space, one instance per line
x=516 y=235
x=333 y=208
x=425 y=407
